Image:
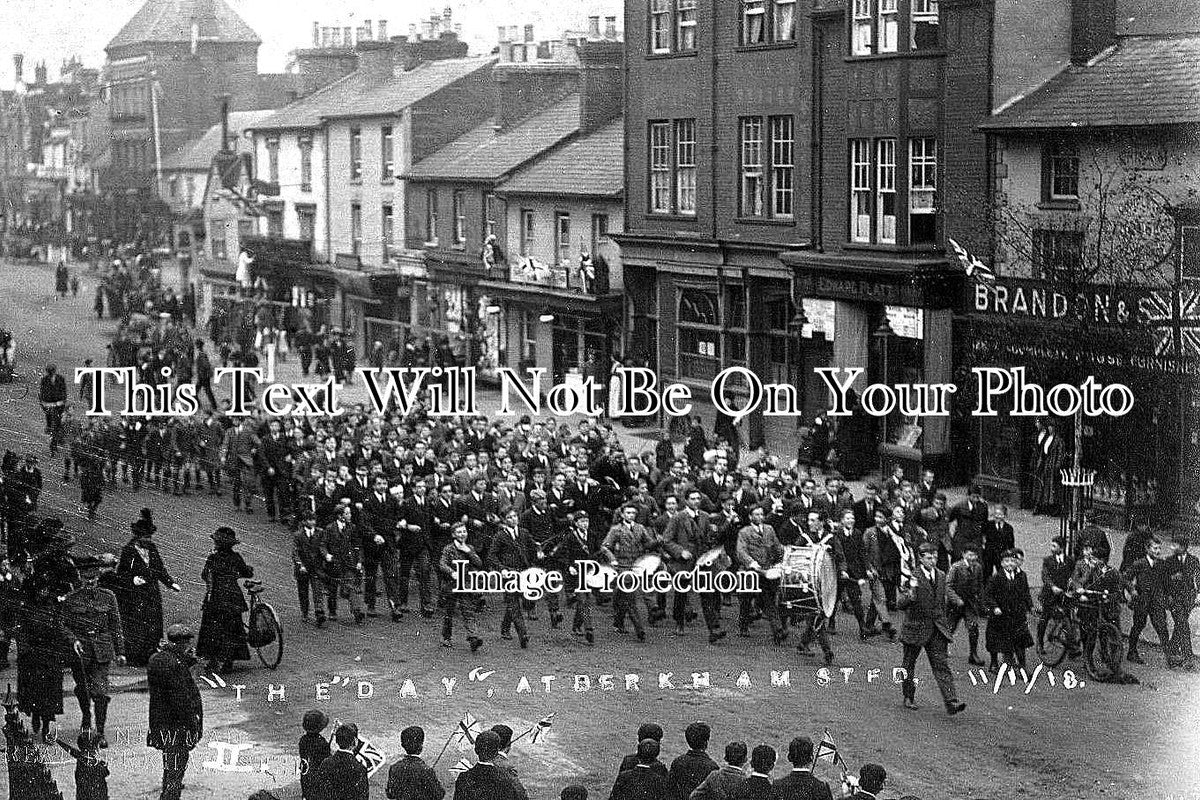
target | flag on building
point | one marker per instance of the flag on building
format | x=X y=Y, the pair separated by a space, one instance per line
x=974 y=268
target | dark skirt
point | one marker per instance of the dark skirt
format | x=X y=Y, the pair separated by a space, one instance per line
x=40 y=689
x=1007 y=633
x=222 y=635
x=142 y=622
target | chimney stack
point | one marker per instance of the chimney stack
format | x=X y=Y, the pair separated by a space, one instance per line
x=368 y=29
x=19 y=67
x=316 y=34
x=528 y=34
x=593 y=27
x=376 y=60
x=347 y=40
x=601 y=86
x=1093 y=28
x=610 y=28
x=383 y=30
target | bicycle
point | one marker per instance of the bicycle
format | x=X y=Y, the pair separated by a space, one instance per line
x=1067 y=634
x=263 y=631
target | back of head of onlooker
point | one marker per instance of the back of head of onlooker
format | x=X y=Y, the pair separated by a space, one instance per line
x=697 y=735
x=735 y=754
x=412 y=739
x=647 y=752
x=800 y=751
x=762 y=759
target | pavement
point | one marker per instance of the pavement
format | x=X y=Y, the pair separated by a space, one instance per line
x=1047 y=742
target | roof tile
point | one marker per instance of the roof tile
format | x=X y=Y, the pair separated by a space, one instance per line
x=171 y=21
x=589 y=165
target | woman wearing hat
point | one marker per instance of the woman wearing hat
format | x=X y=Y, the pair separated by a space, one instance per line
x=41 y=647
x=222 y=632
x=139 y=573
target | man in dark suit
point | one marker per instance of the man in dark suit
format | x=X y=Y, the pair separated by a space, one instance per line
x=411 y=778
x=758 y=785
x=871 y=779
x=414 y=548
x=642 y=782
x=690 y=769
x=1149 y=601
x=512 y=549
x=997 y=537
x=801 y=784
x=926 y=627
x=276 y=465
x=1181 y=575
x=864 y=510
x=1057 y=569
x=341 y=776
x=486 y=781
x=482 y=512
x=380 y=515
x=647 y=730
x=968 y=518
x=689 y=534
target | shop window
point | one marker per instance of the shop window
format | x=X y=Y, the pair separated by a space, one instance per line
x=699 y=335
x=1057 y=254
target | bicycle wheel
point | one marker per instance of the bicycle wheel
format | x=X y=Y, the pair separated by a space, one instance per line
x=1056 y=642
x=264 y=618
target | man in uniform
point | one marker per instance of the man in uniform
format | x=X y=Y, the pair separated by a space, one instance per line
x=93 y=623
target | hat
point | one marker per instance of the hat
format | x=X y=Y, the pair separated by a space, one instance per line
x=225 y=535
x=315 y=720
x=90 y=564
x=179 y=633
x=144 y=525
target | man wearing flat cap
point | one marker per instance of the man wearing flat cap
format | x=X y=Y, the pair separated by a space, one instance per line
x=176 y=711
x=93 y=625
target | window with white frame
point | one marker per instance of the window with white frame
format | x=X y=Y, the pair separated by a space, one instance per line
x=754 y=22
x=885 y=191
x=527 y=231
x=923 y=25
x=460 y=216
x=562 y=237
x=386 y=153
x=783 y=21
x=1062 y=165
x=356 y=229
x=431 y=216
x=660 y=167
x=490 y=207
x=273 y=159
x=922 y=186
x=685 y=166
x=783 y=166
x=306 y=147
x=860 y=190
x=862 y=29
x=660 y=26
x=685 y=25
x=752 y=167
x=355 y=154
x=889 y=25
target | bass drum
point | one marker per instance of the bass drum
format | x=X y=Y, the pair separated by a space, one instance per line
x=809 y=580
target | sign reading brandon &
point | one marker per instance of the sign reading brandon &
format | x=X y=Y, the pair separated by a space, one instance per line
x=1107 y=305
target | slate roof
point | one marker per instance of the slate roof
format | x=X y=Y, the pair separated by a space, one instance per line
x=592 y=164
x=171 y=21
x=1143 y=81
x=483 y=154
x=198 y=153
x=358 y=94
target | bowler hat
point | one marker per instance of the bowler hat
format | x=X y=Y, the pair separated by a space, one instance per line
x=144 y=525
x=225 y=535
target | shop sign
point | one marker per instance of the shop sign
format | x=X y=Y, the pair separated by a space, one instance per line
x=906 y=322
x=821 y=315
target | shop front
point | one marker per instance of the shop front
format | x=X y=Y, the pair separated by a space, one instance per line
x=1147 y=462
x=891 y=318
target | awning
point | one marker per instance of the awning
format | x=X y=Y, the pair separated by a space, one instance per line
x=558 y=299
x=933 y=282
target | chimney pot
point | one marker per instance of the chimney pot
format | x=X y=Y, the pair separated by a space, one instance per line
x=316 y=34
x=447 y=15
x=610 y=27
x=383 y=30
x=594 y=27
x=346 y=40
x=501 y=34
x=528 y=33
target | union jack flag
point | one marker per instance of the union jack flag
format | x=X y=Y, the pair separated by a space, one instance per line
x=974 y=268
x=1175 y=317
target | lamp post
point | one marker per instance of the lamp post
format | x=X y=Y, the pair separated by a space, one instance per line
x=795 y=327
x=883 y=335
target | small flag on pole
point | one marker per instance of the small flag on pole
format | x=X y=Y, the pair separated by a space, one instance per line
x=828 y=751
x=462 y=766
x=974 y=268
x=467 y=729
x=369 y=756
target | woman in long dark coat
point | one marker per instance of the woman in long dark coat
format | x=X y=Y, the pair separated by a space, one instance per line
x=139 y=573
x=41 y=646
x=1008 y=603
x=222 y=632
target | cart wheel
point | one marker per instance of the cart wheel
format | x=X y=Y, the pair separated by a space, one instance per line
x=264 y=618
x=1056 y=646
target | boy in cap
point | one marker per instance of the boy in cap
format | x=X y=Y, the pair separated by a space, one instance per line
x=313 y=747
